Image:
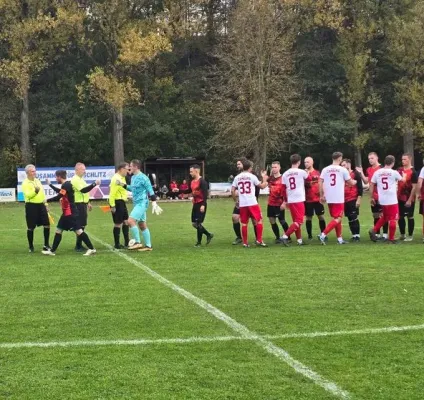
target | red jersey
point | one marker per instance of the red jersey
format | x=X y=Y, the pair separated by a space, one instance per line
x=275 y=186
x=351 y=192
x=312 y=187
x=199 y=189
x=405 y=188
x=370 y=172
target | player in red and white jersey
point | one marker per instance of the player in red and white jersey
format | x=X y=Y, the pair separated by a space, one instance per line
x=294 y=183
x=332 y=190
x=385 y=180
x=244 y=185
x=312 y=202
x=420 y=193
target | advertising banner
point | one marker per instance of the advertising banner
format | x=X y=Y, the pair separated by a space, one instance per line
x=104 y=174
x=7 y=195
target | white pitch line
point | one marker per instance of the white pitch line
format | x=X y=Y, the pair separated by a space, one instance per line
x=238 y=328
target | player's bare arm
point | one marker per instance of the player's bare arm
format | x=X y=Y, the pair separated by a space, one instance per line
x=412 y=196
x=321 y=191
x=419 y=186
x=264 y=182
x=371 y=190
x=363 y=177
x=234 y=194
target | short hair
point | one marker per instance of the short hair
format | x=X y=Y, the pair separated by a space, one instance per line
x=61 y=173
x=336 y=155
x=275 y=162
x=79 y=164
x=373 y=153
x=195 y=166
x=122 y=165
x=137 y=163
x=347 y=160
x=389 y=160
x=28 y=167
x=246 y=164
x=409 y=155
x=295 y=158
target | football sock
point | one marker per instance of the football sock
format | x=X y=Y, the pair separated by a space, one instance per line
x=298 y=233
x=116 y=234
x=380 y=222
x=199 y=234
x=276 y=230
x=259 y=231
x=84 y=238
x=135 y=233
x=244 y=233
x=321 y=224
x=411 y=226
x=339 y=229
x=126 y=233
x=309 y=227
x=375 y=223
x=256 y=231
x=293 y=228
x=284 y=224
x=392 y=230
x=204 y=231
x=56 y=241
x=385 y=228
x=402 y=225
x=30 y=237
x=146 y=237
x=333 y=223
x=237 y=230
x=46 y=233
x=78 y=243
x=354 y=227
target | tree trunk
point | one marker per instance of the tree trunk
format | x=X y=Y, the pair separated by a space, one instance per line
x=358 y=157
x=408 y=144
x=259 y=158
x=118 y=137
x=25 y=145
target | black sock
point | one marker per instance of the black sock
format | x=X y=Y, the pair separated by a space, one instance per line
x=284 y=224
x=354 y=227
x=375 y=222
x=30 y=237
x=309 y=228
x=56 y=241
x=402 y=225
x=276 y=230
x=46 y=236
x=199 y=233
x=78 y=243
x=322 y=224
x=204 y=231
x=386 y=228
x=84 y=238
x=126 y=233
x=411 y=226
x=116 y=234
x=237 y=229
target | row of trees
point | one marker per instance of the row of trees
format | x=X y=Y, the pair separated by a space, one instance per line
x=104 y=80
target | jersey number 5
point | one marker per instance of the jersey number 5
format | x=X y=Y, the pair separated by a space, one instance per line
x=245 y=187
x=385 y=183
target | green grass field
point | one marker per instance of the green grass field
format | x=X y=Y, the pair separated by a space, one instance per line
x=218 y=322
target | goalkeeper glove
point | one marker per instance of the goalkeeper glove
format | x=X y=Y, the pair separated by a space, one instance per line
x=156 y=209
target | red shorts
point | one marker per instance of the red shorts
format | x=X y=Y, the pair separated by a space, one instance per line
x=336 y=210
x=391 y=212
x=297 y=211
x=250 y=212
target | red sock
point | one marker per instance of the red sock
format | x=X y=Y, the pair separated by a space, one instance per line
x=333 y=223
x=244 y=233
x=298 y=232
x=259 y=231
x=339 y=230
x=392 y=230
x=292 y=228
x=379 y=224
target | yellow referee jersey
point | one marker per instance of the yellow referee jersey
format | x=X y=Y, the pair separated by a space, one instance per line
x=117 y=192
x=78 y=184
x=30 y=196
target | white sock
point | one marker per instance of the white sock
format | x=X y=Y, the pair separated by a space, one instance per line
x=300 y=241
x=340 y=239
x=385 y=236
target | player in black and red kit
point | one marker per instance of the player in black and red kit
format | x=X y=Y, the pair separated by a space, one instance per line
x=406 y=197
x=199 y=189
x=353 y=195
x=312 y=203
x=69 y=220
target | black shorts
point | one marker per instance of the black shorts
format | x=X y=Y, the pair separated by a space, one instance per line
x=121 y=213
x=36 y=215
x=196 y=215
x=82 y=213
x=69 y=223
x=275 y=212
x=406 y=211
x=236 y=210
x=422 y=207
x=315 y=207
x=376 y=209
x=350 y=210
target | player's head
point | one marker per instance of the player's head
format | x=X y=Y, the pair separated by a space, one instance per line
x=373 y=158
x=389 y=161
x=295 y=160
x=122 y=169
x=247 y=164
x=346 y=163
x=309 y=162
x=135 y=166
x=275 y=168
x=195 y=171
x=240 y=164
x=60 y=176
x=406 y=160
x=30 y=171
x=337 y=157
x=79 y=169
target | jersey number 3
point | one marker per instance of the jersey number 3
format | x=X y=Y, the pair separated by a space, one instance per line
x=245 y=187
x=333 y=179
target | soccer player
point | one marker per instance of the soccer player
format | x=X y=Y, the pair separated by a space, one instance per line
x=331 y=188
x=376 y=207
x=118 y=198
x=294 y=183
x=69 y=220
x=82 y=200
x=312 y=204
x=36 y=212
x=244 y=184
x=406 y=197
x=142 y=190
x=275 y=200
x=385 y=180
x=199 y=189
x=353 y=195
x=420 y=192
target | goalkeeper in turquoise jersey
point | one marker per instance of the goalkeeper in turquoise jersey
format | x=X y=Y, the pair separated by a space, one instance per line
x=141 y=190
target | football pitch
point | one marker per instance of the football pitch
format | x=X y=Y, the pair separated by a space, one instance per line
x=216 y=322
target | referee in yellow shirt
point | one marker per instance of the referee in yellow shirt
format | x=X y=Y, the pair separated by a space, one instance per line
x=35 y=207
x=82 y=199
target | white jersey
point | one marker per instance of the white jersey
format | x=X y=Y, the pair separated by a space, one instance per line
x=245 y=183
x=334 y=177
x=294 y=180
x=421 y=173
x=386 y=180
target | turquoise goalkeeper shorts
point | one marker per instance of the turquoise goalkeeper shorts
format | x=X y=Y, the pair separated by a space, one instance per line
x=139 y=212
